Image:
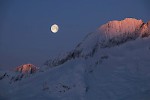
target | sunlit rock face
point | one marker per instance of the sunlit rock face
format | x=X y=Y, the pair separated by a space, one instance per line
x=115 y=28
x=27 y=68
x=145 y=30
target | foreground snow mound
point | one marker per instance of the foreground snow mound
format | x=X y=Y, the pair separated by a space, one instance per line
x=62 y=83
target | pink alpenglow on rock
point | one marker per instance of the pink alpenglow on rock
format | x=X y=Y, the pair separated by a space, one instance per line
x=145 y=30
x=114 y=28
x=27 y=68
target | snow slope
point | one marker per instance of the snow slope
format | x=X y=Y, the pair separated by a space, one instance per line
x=92 y=71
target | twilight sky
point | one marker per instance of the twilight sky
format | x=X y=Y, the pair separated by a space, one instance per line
x=25 y=35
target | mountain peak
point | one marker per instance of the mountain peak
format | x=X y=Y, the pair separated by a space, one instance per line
x=114 y=28
x=27 y=68
x=111 y=34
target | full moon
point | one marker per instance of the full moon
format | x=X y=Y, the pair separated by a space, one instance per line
x=54 y=28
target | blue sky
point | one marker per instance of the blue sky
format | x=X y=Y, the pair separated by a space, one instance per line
x=25 y=35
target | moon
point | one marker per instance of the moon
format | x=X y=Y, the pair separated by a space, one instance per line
x=54 y=28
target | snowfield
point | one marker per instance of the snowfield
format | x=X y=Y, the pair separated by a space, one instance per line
x=110 y=70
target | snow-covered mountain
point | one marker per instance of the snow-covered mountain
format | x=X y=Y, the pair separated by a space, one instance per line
x=108 y=35
x=111 y=63
x=26 y=68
